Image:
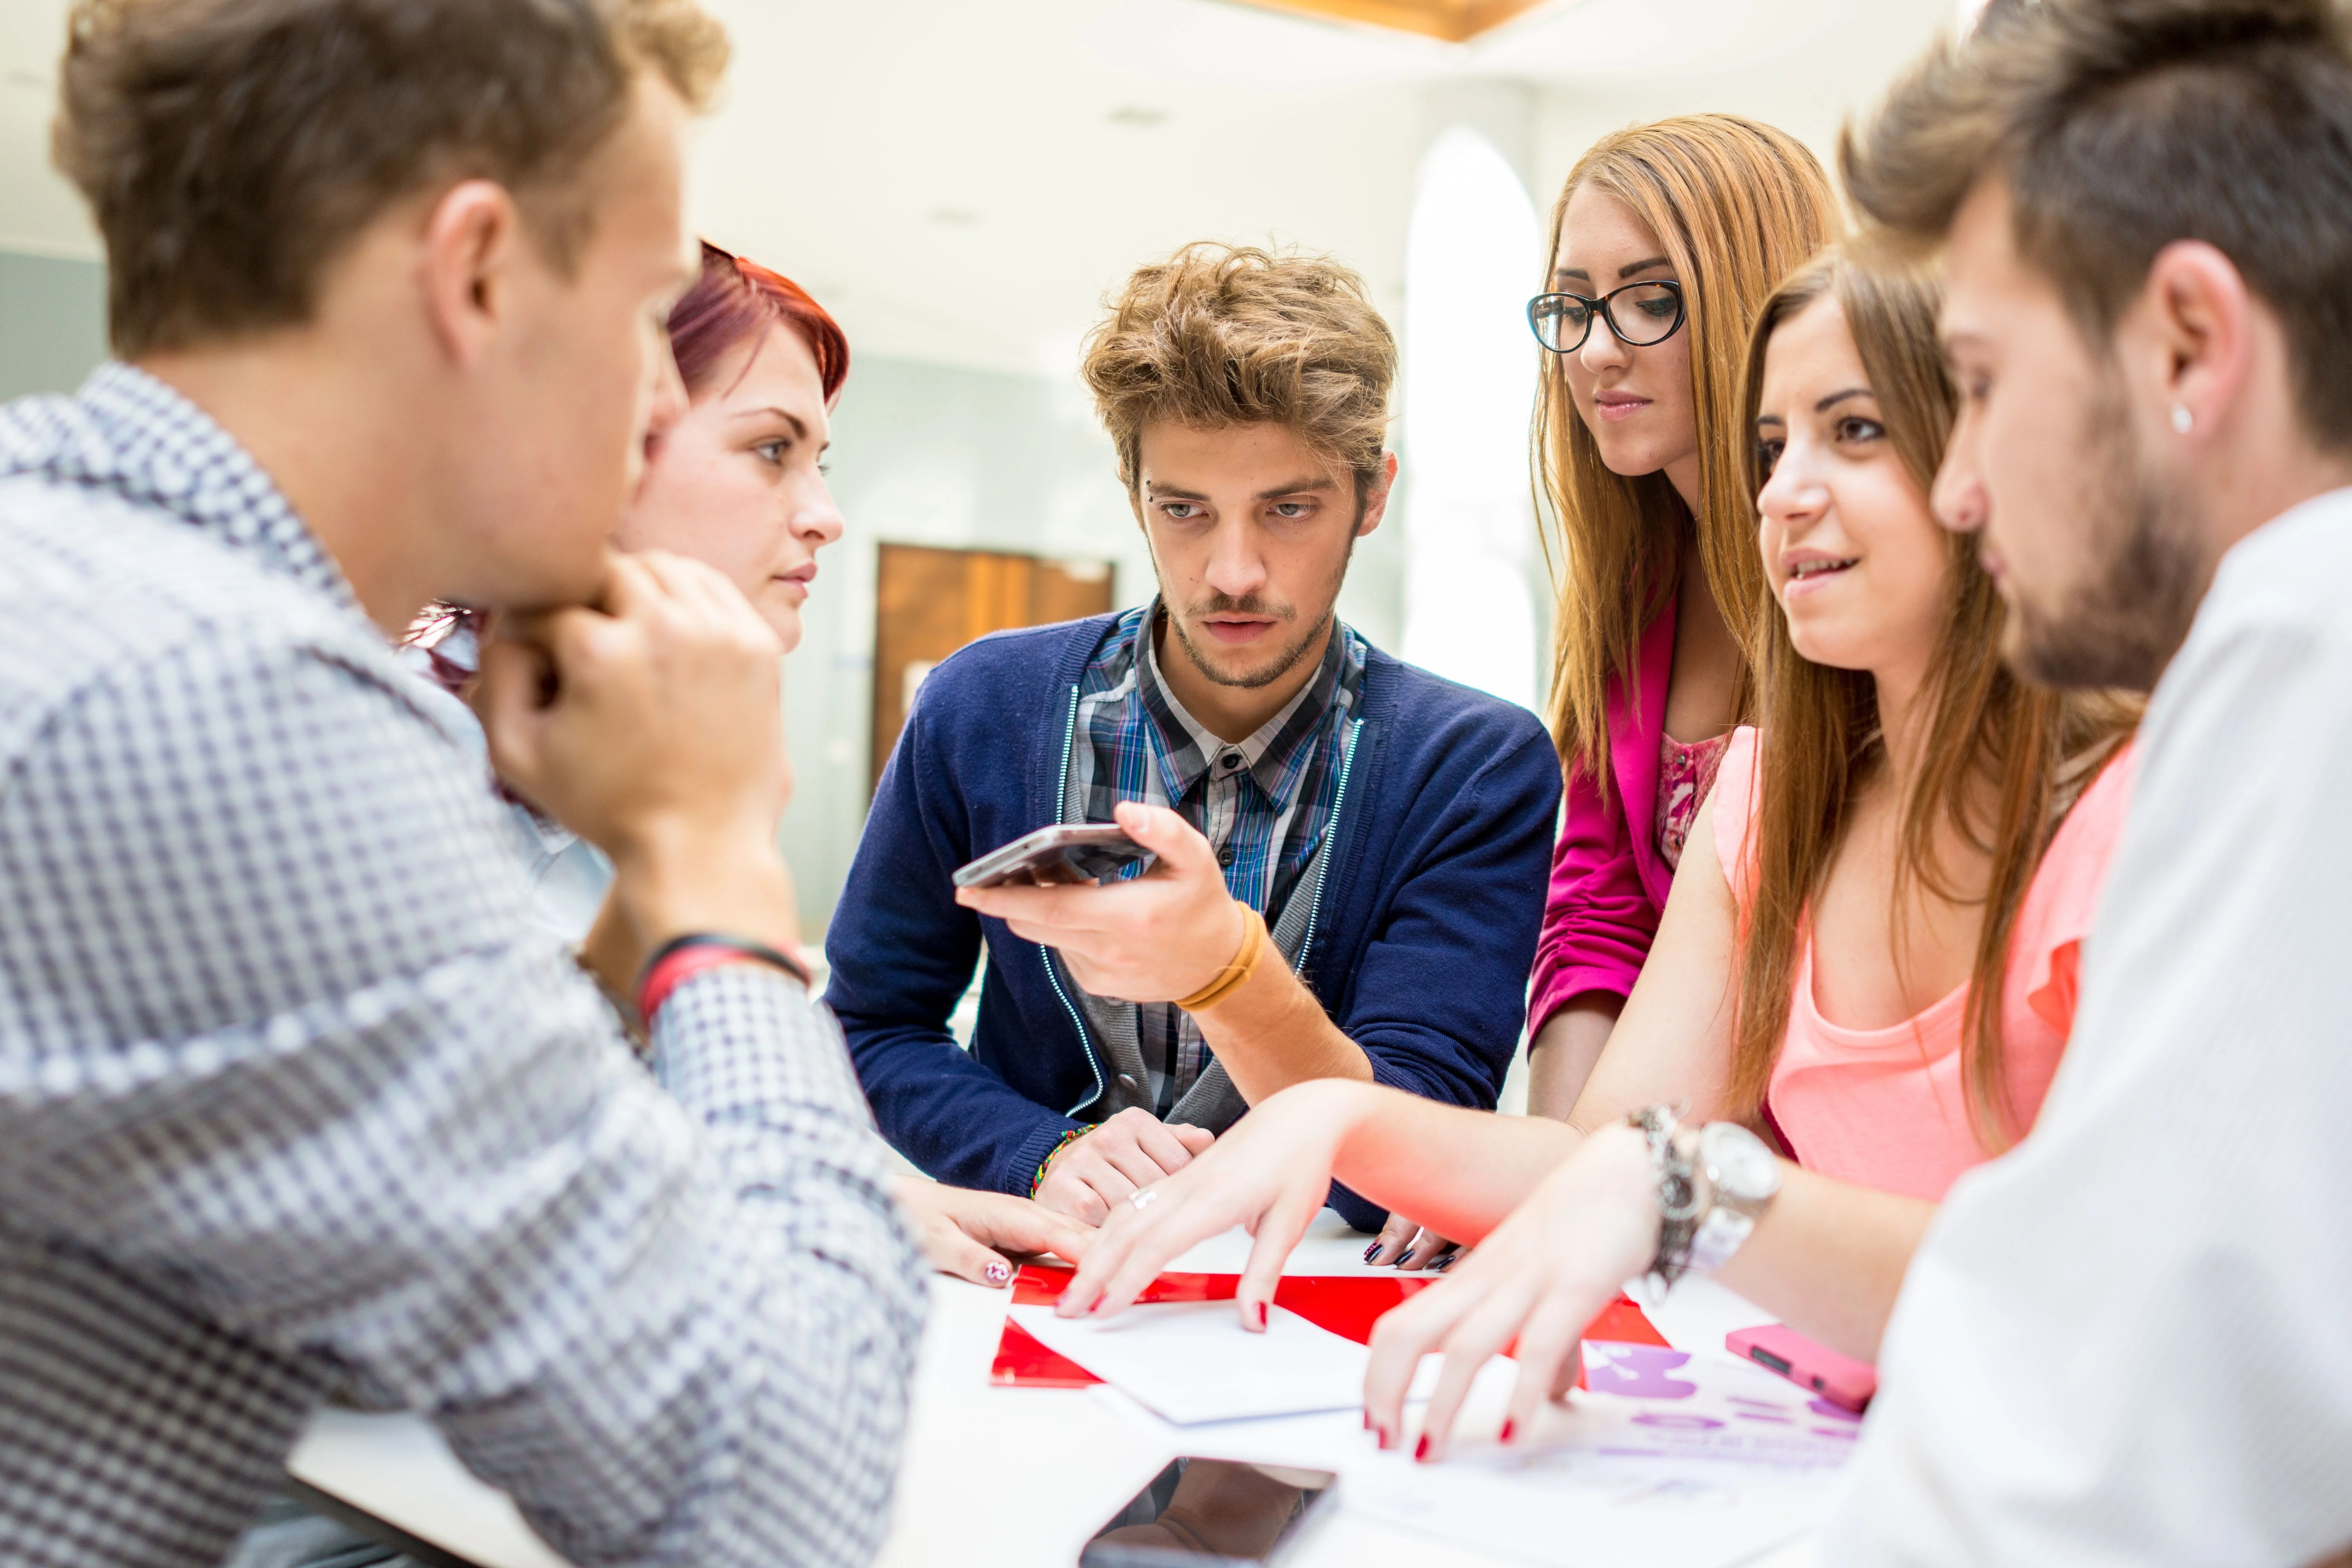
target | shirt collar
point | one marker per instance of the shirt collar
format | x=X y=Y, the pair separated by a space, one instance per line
x=128 y=432
x=1184 y=748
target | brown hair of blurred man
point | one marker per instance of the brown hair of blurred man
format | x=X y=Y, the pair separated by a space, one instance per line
x=412 y=254
x=2148 y=207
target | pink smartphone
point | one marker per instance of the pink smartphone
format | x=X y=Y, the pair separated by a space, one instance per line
x=1840 y=1379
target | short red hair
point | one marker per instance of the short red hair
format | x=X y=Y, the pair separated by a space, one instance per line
x=735 y=300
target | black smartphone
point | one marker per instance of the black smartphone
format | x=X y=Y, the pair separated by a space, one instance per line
x=1209 y=1511
x=1075 y=852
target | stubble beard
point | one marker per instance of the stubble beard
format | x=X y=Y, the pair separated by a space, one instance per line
x=2120 y=626
x=1292 y=653
x=1252 y=681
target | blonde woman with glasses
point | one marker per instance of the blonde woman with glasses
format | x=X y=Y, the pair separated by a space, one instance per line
x=1664 y=242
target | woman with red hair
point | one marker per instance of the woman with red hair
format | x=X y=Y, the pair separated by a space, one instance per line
x=733 y=477
x=737 y=480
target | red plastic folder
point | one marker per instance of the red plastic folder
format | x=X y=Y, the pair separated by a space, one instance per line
x=1345 y=1304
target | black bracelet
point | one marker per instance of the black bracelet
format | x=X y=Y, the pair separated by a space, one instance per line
x=756 y=950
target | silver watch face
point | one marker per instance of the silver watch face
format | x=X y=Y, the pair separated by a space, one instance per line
x=1738 y=1162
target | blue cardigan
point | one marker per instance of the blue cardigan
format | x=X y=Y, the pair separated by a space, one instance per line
x=1421 y=952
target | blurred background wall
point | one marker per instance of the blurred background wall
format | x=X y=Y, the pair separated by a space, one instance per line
x=960 y=181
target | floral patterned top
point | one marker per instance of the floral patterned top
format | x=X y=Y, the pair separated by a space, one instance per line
x=1684 y=775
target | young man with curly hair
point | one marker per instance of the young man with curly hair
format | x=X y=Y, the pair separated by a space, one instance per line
x=1352 y=852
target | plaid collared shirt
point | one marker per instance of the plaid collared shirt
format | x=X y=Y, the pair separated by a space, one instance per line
x=293 y=1097
x=1263 y=804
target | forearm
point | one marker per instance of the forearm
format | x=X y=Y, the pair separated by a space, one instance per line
x=1563 y=1054
x=672 y=880
x=1828 y=1258
x=830 y=1294
x=1271 y=1033
x=1457 y=1170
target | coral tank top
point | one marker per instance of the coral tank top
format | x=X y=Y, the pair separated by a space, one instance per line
x=1885 y=1108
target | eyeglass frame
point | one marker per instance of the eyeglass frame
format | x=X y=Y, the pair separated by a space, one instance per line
x=1601 y=312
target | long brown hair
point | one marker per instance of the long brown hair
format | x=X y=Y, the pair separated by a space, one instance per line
x=1735 y=206
x=2002 y=762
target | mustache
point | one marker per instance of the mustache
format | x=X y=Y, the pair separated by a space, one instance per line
x=1248 y=605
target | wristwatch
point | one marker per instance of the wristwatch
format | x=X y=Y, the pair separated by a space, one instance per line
x=1742 y=1179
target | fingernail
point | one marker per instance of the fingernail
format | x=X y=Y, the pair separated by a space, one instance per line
x=1509 y=1427
x=998 y=1272
x=1444 y=1263
x=1383 y=1434
x=1261 y=1315
x=1370 y=1250
x=1420 y=1450
x=1367 y=1420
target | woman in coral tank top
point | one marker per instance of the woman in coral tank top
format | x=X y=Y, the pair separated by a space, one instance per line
x=1867 y=958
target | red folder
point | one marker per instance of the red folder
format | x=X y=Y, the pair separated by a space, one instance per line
x=1345 y=1304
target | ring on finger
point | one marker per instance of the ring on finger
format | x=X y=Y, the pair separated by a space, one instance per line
x=1142 y=1198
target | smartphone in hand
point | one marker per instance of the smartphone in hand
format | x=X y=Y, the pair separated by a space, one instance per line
x=1053 y=857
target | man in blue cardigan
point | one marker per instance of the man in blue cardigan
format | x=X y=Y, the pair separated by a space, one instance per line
x=1352 y=852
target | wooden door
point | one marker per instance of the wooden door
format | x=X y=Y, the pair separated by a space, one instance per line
x=929 y=603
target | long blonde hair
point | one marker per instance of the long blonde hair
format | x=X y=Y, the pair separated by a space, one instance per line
x=2002 y=762
x=1735 y=206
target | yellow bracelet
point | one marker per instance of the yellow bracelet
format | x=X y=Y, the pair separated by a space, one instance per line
x=1244 y=965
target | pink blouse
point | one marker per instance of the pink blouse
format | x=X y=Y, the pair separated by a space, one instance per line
x=1609 y=878
x=1885 y=1108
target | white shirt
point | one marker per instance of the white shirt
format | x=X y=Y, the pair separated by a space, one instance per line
x=2130 y=1341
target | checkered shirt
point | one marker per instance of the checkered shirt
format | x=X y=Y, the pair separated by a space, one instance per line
x=294 y=1099
x=1262 y=803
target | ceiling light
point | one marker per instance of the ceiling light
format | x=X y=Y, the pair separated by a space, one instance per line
x=1455 y=21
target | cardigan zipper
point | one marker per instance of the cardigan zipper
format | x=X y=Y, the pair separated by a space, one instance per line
x=1330 y=844
x=1061 y=809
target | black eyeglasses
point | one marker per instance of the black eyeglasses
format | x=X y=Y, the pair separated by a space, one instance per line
x=1640 y=314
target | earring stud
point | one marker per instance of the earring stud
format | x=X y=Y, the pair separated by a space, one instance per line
x=2182 y=420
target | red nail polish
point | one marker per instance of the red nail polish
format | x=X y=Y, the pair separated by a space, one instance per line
x=1509 y=1427
x=1386 y=1442
x=1367 y=1420
x=1261 y=1315
x=1420 y=1450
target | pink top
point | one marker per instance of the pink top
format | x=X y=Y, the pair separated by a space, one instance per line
x=1885 y=1108
x=1608 y=879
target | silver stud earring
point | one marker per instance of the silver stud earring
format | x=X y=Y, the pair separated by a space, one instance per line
x=2182 y=420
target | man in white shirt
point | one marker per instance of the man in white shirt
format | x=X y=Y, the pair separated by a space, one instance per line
x=2127 y=1341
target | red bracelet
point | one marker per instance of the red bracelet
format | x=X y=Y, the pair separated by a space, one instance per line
x=681 y=960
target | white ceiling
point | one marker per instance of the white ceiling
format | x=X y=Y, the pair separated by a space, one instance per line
x=960 y=180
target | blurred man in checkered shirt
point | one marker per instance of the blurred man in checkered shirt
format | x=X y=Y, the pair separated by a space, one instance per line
x=292 y=1098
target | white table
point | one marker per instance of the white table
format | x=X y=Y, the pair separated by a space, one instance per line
x=1016 y=1476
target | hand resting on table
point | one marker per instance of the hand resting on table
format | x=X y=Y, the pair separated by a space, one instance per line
x=1093 y=1176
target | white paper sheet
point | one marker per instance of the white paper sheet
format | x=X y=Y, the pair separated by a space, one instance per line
x=1193 y=1361
x=1699 y=1461
x=1696 y=1461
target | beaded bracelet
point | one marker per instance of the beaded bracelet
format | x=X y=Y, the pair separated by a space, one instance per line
x=1064 y=1141
x=680 y=959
